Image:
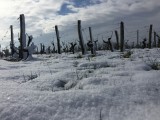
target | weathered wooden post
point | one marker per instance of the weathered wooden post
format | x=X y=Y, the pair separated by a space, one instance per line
x=150 y=37
x=81 y=37
x=137 y=38
x=117 y=39
x=122 y=36
x=12 y=41
x=22 y=54
x=158 y=44
x=155 y=42
x=91 y=39
x=58 y=39
x=41 y=46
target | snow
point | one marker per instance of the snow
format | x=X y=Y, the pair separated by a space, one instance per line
x=65 y=87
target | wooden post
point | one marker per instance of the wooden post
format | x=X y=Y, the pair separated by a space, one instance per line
x=158 y=44
x=81 y=37
x=43 y=48
x=137 y=38
x=150 y=37
x=58 y=39
x=122 y=36
x=155 y=42
x=22 y=54
x=41 y=51
x=12 y=41
x=91 y=38
x=117 y=39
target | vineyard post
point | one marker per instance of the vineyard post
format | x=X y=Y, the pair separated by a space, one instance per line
x=122 y=36
x=137 y=38
x=12 y=41
x=155 y=42
x=158 y=44
x=58 y=39
x=81 y=37
x=117 y=39
x=150 y=37
x=41 y=50
x=91 y=38
x=22 y=54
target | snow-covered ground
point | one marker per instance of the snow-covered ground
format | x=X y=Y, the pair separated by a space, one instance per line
x=68 y=87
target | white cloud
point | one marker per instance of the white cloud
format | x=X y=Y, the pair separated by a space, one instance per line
x=42 y=15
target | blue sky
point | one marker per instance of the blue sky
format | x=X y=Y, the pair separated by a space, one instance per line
x=64 y=10
x=102 y=15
